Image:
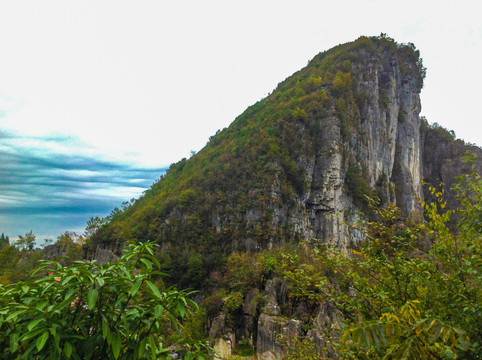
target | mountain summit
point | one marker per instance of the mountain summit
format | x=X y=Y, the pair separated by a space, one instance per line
x=298 y=164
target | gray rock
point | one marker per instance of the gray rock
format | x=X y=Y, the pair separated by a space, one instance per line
x=270 y=330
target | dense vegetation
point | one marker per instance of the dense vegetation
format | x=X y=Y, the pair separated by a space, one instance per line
x=17 y=260
x=86 y=311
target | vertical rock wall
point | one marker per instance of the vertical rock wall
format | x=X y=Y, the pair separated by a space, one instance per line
x=376 y=134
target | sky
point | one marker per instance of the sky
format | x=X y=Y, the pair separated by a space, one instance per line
x=97 y=98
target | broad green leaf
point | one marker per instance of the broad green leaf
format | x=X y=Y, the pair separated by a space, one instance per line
x=181 y=309
x=69 y=293
x=147 y=263
x=31 y=334
x=100 y=281
x=40 y=306
x=92 y=296
x=42 y=340
x=34 y=323
x=153 y=346
x=158 y=310
x=142 y=347
x=116 y=345
x=105 y=329
x=14 y=315
x=156 y=262
x=68 y=349
x=13 y=342
x=154 y=289
x=374 y=336
x=67 y=279
x=135 y=287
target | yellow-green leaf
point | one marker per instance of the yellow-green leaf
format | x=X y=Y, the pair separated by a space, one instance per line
x=154 y=289
x=116 y=345
x=92 y=296
x=68 y=349
x=42 y=340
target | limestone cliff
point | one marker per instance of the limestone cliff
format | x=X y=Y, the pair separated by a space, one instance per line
x=298 y=164
x=366 y=140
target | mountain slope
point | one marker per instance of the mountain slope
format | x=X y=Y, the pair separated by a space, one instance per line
x=295 y=165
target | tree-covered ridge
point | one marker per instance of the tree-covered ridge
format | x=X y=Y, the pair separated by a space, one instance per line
x=234 y=174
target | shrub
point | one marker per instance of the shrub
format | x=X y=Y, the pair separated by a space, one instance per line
x=87 y=311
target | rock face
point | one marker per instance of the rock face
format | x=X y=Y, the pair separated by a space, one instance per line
x=276 y=326
x=273 y=328
x=376 y=139
x=269 y=327
x=298 y=164
x=442 y=160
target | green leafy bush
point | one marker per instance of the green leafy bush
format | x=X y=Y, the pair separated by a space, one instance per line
x=87 y=311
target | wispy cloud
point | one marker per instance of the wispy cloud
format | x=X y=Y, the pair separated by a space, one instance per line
x=46 y=186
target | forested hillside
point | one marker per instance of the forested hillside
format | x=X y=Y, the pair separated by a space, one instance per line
x=298 y=164
x=329 y=220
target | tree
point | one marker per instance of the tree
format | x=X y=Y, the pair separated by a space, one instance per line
x=4 y=240
x=26 y=242
x=87 y=311
x=93 y=224
x=71 y=245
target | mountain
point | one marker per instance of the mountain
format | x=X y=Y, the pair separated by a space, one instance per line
x=298 y=164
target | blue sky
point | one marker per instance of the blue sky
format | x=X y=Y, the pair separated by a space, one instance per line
x=98 y=97
x=49 y=186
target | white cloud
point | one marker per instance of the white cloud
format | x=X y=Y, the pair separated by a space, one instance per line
x=147 y=82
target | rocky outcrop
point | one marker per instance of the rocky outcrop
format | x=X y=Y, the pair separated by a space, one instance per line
x=442 y=161
x=103 y=254
x=272 y=331
x=372 y=142
x=276 y=324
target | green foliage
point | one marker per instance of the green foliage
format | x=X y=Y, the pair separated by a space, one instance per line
x=402 y=334
x=298 y=348
x=16 y=264
x=26 y=242
x=244 y=348
x=396 y=301
x=93 y=224
x=356 y=185
x=87 y=311
x=4 y=240
x=233 y=303
x=342 y=82
x=244 y=271
x=212 y=305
